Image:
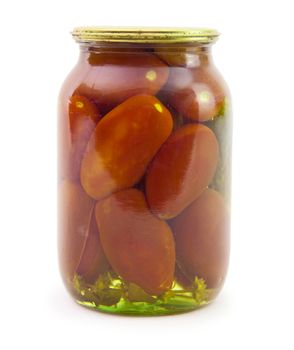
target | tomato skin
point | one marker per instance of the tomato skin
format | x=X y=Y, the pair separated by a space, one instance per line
x=189 y=57
x=181 y=170
x=81 y=110
x=75 y=208
x=109 y=79
x=201 y=234
x=197 y=93
x=123 y=144
x=82 y=118
x=93 y=261
x=138 y=245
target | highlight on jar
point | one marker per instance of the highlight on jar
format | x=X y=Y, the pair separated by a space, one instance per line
x=144 y=171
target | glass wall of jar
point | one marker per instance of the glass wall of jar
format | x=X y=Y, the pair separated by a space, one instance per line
x=144 y=171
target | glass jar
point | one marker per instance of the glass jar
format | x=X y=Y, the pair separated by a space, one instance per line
x=144 y=171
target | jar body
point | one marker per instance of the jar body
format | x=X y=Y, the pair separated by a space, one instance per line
x=144 y=178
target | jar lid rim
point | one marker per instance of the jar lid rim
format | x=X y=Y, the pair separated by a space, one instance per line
x=144 y=35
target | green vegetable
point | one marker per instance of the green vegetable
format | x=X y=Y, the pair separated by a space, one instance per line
x=105 y=291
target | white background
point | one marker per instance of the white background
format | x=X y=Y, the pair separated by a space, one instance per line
x=255 y=54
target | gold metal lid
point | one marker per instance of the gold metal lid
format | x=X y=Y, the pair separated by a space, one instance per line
x=144 y=35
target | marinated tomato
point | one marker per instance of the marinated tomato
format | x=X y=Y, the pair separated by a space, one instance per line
x=83 y=117
x=75 y=208
x=123 y=144
x=181 y=170
x=197 y=93
x=202 y=238
x=139 y=246
x=93 y=261
x=110 y=79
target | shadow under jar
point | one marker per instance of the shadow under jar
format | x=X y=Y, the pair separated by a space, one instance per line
x=144 y=171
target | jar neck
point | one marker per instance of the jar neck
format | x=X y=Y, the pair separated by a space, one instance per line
x=188 y=55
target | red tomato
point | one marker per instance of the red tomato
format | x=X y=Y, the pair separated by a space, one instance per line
x=123 y=144
x=81 y=111
x=75 y=208
x=197 y=93
x=93 y=261
x=183 y=56
x=112 y=78
x=138 y=245
x=83 y=116
x=181 y=170
x=202 y=238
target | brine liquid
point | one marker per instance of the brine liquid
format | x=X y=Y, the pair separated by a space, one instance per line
x=144 y=180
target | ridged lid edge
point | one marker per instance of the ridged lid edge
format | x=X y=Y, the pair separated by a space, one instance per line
x=144 y=35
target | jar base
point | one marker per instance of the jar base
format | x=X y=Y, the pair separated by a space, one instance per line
x=124 y=307
x=110 y=294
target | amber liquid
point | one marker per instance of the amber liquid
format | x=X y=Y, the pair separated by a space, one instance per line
x=144 y=180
